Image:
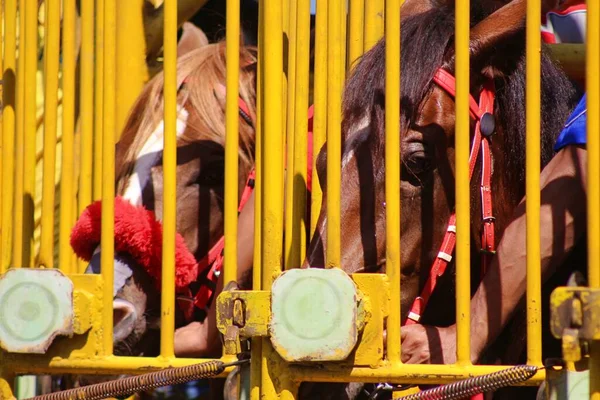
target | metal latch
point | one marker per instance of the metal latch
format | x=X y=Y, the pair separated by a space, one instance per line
x=310 y=315
x=575 y=318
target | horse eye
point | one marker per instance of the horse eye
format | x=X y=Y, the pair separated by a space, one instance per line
x=212 y=175
x=418 y=162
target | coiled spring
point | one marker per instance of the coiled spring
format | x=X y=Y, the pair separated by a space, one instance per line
x=152 y=380
x=479 y=384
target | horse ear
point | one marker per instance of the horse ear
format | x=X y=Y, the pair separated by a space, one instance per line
x=498 y=27
x=497 y=42
x=412 y=7
x=192 y=38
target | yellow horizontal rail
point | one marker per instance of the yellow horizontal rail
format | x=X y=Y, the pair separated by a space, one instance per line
x=397 y=372
x=23 y=364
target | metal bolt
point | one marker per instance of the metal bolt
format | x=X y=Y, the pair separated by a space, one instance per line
x=239 y=313
x=576 y=313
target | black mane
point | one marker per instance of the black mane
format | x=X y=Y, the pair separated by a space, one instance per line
x=425 y=40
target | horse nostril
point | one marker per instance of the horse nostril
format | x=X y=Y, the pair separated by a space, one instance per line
x=124 y=316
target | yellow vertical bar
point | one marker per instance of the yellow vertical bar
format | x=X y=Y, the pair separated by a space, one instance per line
x=300 y=132
x=462 y=138
x=8 y=130
x=232 y=139
x=86 y=96
x=272 y=142
x=392 y=171
x=29 y=36
x=593 y=178
x=593 y=99
x=272 y=196
x=257 y=256
x=356 y=34
x=374 y=18
x=98 y=96
x=17 y=253
x=67 y=192
x=51 y=69
x=335 y=69
x=285 y=27
x=533 y=98
x=3 y=150
x=131 y=69
x=108 y=174
x=256 y=344
x=291 y=253
x=320 y=107
x=167 y=321
x=344 y=39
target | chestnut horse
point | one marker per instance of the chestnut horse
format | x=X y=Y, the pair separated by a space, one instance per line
x=427 y=187
x=200 y=188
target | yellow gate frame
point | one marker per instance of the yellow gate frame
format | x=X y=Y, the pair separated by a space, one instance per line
x=89 y=350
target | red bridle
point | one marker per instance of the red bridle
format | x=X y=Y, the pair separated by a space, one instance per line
x=198 y=294
x=484 y=128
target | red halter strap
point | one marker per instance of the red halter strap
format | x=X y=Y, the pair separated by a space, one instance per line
x=484 y=128
x=198 y=295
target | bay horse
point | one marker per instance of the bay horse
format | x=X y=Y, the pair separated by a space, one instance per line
x=427 y=187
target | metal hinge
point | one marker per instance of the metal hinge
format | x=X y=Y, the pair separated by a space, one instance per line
x=575 y=319
x=310 y=315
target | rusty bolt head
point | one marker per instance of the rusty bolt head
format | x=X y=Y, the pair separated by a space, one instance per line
x=576 y=313
x=239 y=313
x=232 y=341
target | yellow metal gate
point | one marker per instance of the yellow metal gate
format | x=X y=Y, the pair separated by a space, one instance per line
x=76 y=166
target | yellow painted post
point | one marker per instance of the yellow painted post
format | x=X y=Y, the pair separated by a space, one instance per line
x=374 y=23
x=356 y=31
x=344 y=39
x=320 y=107
x=335 y=71
x=285 y=27
x=2 y=149
x=289 y=247
x=167 y=321
x=392 y=173
x=87 y=103
x=108 y=174
x=51 y=69
x=256 y=342
x=462 y=139
x=300 y=135
x=532 y=193
x=8 y=130
x=232 y=139
x=258 y=156
x=17 y=248
x=67 y=192
x=272 y=196
x=132 y=70
x=29 y=37
x=593 y=168
x=272 y=144
x=98 y=96
x=593 y=99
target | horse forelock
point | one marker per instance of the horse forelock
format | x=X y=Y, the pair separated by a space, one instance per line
x=426 y=39
x=200 y=116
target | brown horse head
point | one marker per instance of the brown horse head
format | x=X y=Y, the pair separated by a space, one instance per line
x=427 y=187
x=201 y=77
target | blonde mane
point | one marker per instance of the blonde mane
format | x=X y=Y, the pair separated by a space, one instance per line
x=204 y=73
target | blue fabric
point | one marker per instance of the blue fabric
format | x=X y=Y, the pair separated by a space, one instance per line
x=574 y=132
